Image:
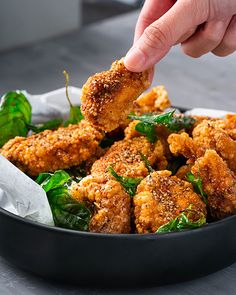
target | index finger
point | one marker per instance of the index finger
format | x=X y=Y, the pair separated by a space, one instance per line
x=151 y=11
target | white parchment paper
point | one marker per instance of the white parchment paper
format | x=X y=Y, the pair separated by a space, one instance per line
x=20 y=195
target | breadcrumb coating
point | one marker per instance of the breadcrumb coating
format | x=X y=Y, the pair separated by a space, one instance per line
x=111 y=204
x=52 y=150
x=160 y=198
x=156 y=100
x=125 y=157
x=219 y=183
x=107 y=97
x=206 y=135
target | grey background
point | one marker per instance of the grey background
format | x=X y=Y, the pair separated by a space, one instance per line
x=206 y=82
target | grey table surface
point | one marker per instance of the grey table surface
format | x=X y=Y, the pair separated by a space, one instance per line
x=205 y=82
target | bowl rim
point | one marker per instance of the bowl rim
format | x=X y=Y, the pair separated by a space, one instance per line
x=28 y=222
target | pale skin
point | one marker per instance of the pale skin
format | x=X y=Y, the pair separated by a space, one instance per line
x=200 y=26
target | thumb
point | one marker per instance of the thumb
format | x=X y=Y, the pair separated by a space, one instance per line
x=161 y=35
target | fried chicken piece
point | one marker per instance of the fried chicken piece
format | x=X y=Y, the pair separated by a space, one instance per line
x=230 y=125
x=206 y=135
x=110 y=201
x=52 y=150
x=162 y=134
x=219 y=183
x=101 y=189
x=125 y=157
x=182 y=144
x=107 y=97
x=160 y=198
x=156 y=100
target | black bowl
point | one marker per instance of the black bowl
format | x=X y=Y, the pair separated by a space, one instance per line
x=90 y=258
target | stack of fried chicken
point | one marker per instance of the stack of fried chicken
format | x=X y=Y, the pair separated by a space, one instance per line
x=209 y=150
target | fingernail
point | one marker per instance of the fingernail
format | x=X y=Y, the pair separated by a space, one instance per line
x=135 y=60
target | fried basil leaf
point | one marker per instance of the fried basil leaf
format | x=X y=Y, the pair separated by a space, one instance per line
x=15 y=114
x=75 y=112
x=50 y=125
x=75 y=116
x=187 y=219
x=128 y=183
x=147 y=129
x=150 y=120
x=67 y=212
x=49 y=181
x=147 y=163
x=197 y=185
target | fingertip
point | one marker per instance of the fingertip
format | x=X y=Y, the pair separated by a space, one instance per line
x=135 y=60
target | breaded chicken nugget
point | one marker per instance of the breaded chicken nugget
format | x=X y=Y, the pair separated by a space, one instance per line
x=107 y=97
x=125 y=157
x=219 y=183
x=52 y=150
x=105 y=194
x=110 y=202
x=156 y=100
x=160 y=198
x=206 y=135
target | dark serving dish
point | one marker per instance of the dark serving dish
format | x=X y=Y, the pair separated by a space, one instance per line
x=117 y=259
x=90 y=258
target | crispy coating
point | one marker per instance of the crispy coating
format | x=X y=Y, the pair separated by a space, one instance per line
x=107 y=97
x=156 y=100
x=219 y=183
x=182 y=144
x=160 y=198
x=111 y=201
x=111 y=204
x=125 y=157
x=206 y=135
x=162 y=134
x=52 y=150
x=182 y=171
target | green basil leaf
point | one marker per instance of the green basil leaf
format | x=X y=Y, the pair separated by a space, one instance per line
x=197 y=185
x=75 y=115
x=49 y=181
x=147 y=163
x=184 y=221
x=147 y=129
x=15 y=114
x=67 y=212
x=50 y=125
x=150 y=120
x=75 y=112
x=128 y=183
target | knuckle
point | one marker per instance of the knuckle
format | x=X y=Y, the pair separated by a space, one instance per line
x=214 y=37
x=155 y=37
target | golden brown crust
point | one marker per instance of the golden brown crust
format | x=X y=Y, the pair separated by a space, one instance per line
x=125 y=157
x=156 y=100
x=219 y=183
x=182 y=171
x=107 y=97
x=52 y=150
x=160 y=198
x=110 y=201
x=206 y=135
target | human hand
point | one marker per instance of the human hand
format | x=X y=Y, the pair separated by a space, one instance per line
x=201 y=26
